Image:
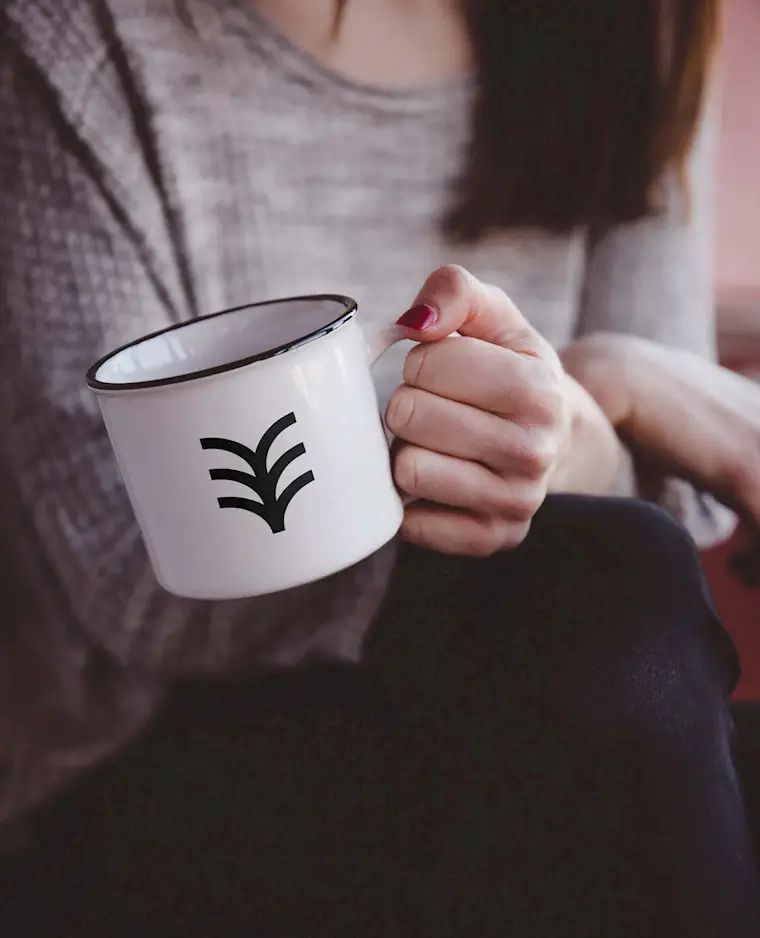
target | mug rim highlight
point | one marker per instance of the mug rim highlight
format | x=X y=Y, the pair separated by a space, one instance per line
x=349 y=308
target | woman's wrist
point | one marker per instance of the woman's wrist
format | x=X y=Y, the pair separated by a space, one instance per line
x=601 y=364
x=593 y=461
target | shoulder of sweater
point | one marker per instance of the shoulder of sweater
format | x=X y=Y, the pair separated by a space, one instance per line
x=70 y=62
x=77 y=52
x=63 y=41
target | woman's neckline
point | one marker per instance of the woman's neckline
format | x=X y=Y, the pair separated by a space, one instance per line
x=303 y=65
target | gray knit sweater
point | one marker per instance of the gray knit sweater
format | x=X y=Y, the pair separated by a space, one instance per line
x=157 y=164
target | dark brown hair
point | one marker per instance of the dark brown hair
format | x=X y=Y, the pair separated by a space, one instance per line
x=582 y=106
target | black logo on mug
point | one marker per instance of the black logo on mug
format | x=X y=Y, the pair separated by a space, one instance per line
x=261 y=480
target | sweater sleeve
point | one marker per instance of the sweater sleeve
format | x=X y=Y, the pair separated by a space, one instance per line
x=654 y=279
x=88 y=639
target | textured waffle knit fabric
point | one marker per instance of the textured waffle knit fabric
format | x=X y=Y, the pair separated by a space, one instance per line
x=163 y=159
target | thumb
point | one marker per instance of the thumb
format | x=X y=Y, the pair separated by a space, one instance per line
x=453 y=300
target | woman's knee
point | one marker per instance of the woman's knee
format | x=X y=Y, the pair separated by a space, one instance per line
x=618 y=559
x=601 y=614
x=635 y=544
x=645 y=655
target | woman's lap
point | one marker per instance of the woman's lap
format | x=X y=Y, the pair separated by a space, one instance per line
x=509 y=756
x=611 y=681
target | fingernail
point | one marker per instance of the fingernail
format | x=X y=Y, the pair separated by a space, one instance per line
x=419 y=318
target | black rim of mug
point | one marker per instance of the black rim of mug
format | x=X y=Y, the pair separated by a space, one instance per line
x=349 y=307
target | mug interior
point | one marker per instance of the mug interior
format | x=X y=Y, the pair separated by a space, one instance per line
x=220 y=342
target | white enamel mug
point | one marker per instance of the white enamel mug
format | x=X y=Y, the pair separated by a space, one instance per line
x=251 y=445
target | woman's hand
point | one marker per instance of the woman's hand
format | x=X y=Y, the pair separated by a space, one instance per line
x=482 y=418
x=690 y=417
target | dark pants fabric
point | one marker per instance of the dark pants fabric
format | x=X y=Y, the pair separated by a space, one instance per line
x=537 y=744
x=746 y=717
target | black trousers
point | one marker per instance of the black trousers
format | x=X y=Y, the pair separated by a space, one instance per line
x=537 y=744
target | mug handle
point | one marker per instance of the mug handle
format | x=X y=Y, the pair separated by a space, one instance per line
x=378 y=341
x=376 y=344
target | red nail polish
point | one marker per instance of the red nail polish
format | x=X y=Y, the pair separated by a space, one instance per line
x=419 y=318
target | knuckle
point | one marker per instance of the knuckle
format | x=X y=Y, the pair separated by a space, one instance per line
x=551 y=405
x=528 y=390
x=488 y=537
x=521 y=505
x=399 y=414
x=544 y=397
x=537 y=453
x=452 y=278
x=516 y=535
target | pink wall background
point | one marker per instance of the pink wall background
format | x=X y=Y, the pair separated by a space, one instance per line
x=738 y=222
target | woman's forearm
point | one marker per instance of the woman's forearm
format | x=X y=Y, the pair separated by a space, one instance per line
x=687 y=418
